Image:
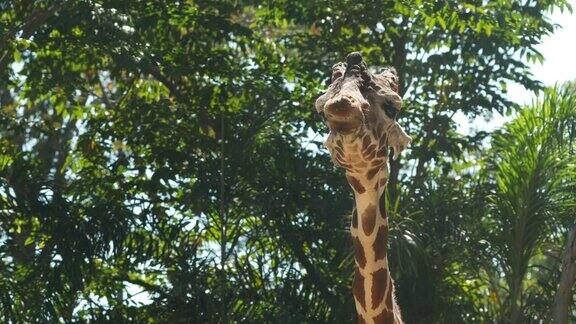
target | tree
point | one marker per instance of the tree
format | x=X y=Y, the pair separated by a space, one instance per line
x=531 y=169
x=163 y=149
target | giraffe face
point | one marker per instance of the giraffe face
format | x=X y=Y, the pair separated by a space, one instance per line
x=357 y=98
x=360 y=109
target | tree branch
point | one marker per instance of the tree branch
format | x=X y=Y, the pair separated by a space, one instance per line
x=37 y=18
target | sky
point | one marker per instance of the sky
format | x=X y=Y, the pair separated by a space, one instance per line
x=559 y=51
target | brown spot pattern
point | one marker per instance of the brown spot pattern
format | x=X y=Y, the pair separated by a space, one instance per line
x=358 y=288
x=347 y=166
x=372 y=172
x=382 y=205
x=369 y=149
x=385 y=317
x=365 y=142
x=359 y=253
x=380 y=244
x=378 y=162
x=383 y=181
x=354 y=219
x=384 y=214
x=389 y=295
x=369 y=219
x=379 y=284
x=370 y=156
x=361 y=319
x=382 y=141
x=382 y=151
x=356 y=185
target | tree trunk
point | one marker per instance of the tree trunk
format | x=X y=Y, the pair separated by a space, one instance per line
x=564 y=297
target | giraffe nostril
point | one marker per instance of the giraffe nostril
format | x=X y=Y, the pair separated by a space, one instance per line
x=341 y=105
x=344 y=100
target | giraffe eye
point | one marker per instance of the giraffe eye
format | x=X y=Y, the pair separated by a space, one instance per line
x=389 y=109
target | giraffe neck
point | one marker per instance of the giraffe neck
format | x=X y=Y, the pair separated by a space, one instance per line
x=372 y=286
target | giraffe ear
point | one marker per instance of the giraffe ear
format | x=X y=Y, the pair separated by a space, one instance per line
x=398 y=139
x=387 y=91
x=390 y=75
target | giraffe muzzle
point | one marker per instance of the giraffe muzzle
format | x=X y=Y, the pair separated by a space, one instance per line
x=343 y=107
x=343 y=114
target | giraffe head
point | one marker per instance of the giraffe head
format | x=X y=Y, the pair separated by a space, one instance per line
x=360 y=109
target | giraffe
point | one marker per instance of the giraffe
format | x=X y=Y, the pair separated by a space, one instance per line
x=360 y=109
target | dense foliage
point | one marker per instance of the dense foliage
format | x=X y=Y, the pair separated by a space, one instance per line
x=160 y=161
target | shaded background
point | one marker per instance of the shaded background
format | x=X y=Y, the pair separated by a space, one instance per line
x=162 y=161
